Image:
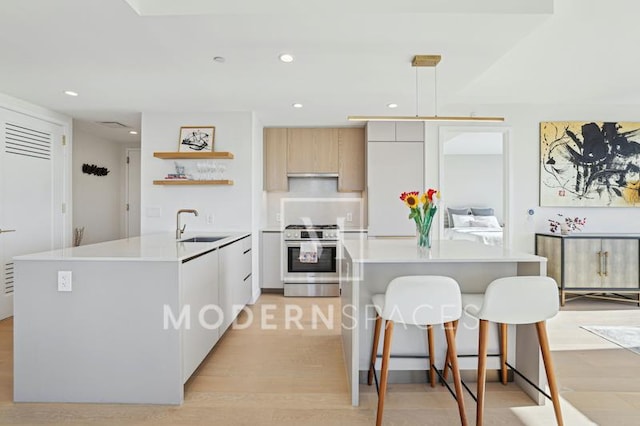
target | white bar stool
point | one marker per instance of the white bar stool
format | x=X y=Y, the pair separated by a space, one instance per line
x=422 y=300
x=514 y=300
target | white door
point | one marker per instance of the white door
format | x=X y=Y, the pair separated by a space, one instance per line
x=133 y=193
x=392 y=168
x=31 y=165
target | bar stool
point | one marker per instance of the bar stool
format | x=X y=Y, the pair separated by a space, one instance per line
x=422 y=300
x=514 y=300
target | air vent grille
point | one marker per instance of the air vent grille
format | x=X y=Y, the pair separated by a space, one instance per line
x=113 y=124
x=20 y=140
x=8 y=278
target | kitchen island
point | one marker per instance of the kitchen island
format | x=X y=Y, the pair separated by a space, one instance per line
x=127 y=321
x=367 y=267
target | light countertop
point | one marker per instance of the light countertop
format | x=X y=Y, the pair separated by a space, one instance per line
x=405 y=250
x=155 y=247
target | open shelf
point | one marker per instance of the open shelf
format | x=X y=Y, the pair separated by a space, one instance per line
x=193 y=155
x=192 y=182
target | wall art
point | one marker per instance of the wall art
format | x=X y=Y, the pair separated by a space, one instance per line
x=589 y=164
x=196 y=138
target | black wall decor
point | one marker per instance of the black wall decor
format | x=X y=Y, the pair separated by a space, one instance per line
x=92 y=169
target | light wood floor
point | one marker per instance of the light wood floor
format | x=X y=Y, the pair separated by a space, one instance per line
x=297 y=377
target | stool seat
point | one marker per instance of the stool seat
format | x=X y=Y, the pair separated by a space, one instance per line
x=421 y=300
x=514 y=300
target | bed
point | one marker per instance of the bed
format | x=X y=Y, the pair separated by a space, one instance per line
x=474 y=224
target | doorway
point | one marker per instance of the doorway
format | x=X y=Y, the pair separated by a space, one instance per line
x=132 y=190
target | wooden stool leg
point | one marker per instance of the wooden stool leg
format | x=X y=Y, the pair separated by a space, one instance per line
x=548 y=366
x=503 y=353
x=453 y=354
x=482 y=369
x=445 y=369
x=432 y=357
x=386 y=353
x=374 y=350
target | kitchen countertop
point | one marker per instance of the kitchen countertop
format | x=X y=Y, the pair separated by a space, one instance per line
x=405 y=250
x=155 y=247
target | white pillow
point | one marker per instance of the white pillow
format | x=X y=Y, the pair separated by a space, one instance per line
x=485 y=222
x=461 y=220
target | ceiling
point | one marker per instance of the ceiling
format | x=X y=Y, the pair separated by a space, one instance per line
x=351 y=58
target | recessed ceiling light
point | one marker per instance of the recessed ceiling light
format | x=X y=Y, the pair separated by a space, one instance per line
x=70 y=93
x=133 y=132
x=392 y=105
x=297 y=105
x=286 y=57
x=219 y=59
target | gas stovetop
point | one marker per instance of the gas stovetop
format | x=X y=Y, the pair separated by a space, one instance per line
x=311 y=232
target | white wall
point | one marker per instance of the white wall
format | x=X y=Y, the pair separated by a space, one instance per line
x=474 y=181
x=231 y=206
x=524 y=169
x=97 y=200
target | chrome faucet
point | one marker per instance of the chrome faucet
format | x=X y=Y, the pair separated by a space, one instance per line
x=179 y=229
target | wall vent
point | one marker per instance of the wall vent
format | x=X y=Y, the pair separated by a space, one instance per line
x=20 y=140
x=8 y=278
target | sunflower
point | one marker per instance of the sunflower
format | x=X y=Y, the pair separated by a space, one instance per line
x=411 y=200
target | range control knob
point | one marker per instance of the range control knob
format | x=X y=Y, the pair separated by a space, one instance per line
x=288 y=234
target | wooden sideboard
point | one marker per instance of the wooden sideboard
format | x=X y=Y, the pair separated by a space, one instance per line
x=604 y=266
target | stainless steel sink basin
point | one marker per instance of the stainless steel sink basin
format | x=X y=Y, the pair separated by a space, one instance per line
x=202 y=239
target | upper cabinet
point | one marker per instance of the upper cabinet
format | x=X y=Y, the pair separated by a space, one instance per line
x=275 y=159
x=312 y=150
x=400 y=131
x=351 y=154
x=335 y=151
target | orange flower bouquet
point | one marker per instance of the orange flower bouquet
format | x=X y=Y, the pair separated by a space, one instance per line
x=423 y=208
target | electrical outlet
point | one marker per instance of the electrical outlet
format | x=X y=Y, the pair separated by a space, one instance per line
x=210 y=219
x=64 y=280
x=349 y=217
x=278 y=218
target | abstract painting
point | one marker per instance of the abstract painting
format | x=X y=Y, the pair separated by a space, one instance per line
x=196 y=138
x=589 y=164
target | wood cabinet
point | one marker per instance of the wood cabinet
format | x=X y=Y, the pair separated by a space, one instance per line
x=351 y=157
x=275 y=159
x=271 y=260
x=601 y=266
x=312 y=150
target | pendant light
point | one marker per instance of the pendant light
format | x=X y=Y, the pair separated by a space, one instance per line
x=425 y=61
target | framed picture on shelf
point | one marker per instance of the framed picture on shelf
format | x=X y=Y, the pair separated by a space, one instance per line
x=196 y=138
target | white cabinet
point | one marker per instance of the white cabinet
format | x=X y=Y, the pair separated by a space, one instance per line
x=392 y=168
x=398 y=131
x=587 y=265
x=235 y=285
x=271 y=260
x=199 y=278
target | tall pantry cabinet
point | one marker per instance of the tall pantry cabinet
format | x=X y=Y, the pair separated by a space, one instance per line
x=395 y=164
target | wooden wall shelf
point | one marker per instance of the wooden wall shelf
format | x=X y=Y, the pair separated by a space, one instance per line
x=192 y=182
x=193 y=155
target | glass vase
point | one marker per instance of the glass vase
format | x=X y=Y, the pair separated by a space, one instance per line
x=423 y=237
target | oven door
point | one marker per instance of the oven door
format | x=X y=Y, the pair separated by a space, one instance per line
x=325 y=270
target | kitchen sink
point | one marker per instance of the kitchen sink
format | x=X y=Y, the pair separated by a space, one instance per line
x=202 y=239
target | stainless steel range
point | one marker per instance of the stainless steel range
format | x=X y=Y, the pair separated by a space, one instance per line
x=310 y=260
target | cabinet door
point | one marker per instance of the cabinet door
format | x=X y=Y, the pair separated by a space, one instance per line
x=351 y=154
x=271 y=260
x=325 y=143
x=199 y=287
x=582 y=262
x=275 y=160
x=551 y=248
x=230 y=279
x=300 y=150
x=409 y=131
x=381 y=131
x=245 y=289
x=620 y=263
x=392 y=168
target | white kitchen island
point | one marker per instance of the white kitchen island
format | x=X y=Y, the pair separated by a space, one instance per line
x=118 y=336
x=368 y=266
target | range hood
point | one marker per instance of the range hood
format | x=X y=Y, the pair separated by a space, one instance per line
x=312 y=175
